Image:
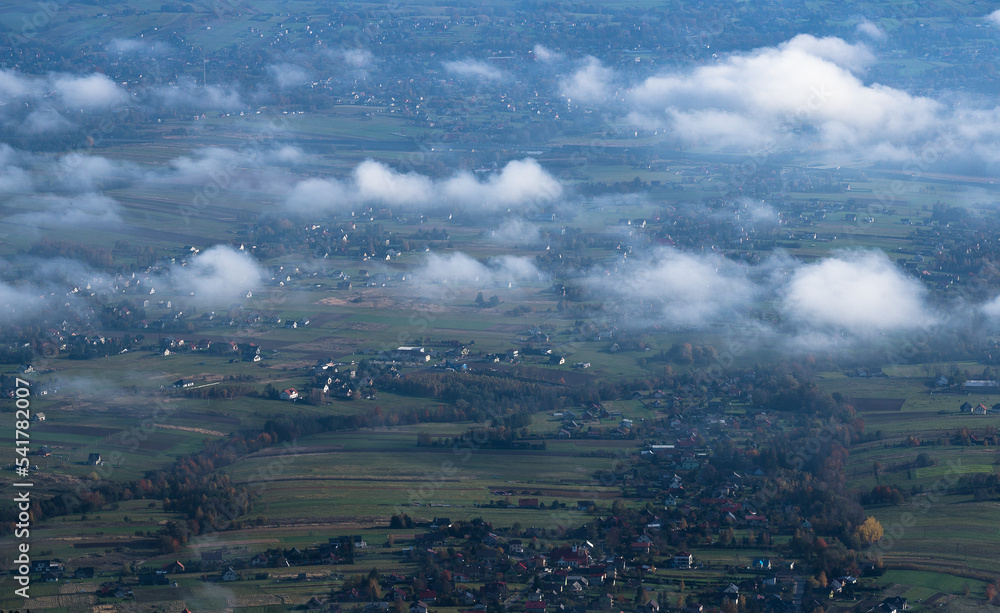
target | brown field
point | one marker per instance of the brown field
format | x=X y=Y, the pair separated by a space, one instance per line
x=81 y=430
x=879 y=405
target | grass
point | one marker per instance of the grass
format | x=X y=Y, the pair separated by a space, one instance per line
x=932 y=583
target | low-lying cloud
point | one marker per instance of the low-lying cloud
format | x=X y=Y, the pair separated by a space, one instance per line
x=592 y=83
x=460 y=272
x=859 y=291
x=218 y=276
x=519 y=184
x=474 y=69
x=515 y=233
x=678 y=289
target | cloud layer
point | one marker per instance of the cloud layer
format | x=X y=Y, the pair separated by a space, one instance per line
x=218 y=276
x=859 y=291
x=519 y=184
x=840 y=299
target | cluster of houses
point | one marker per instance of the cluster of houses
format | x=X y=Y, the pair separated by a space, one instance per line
x=249 y=352
x=331 y=379
x=979 y=409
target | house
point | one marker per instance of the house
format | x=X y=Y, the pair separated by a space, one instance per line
x=557 y=360
x=893 y=605
x=418 y=607
x=173 y=568
x=965 y=408
x=289 y=394
x=258 y=561
x=42 y=566
x=762 y=564
x=683 y=559
x=516 y=546
x=640 y=547
x=527 y=503
x=230 y=575
x=570 y=557
x=94 y=459
x=84 y=572
x=440 y=522
x=427 y=595
x=731 y=593
x=981 y=385
x=39 y=416
x=585 y=505
x=411 y=354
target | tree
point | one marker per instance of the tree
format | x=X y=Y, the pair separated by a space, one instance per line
x=727 y=537
x=372 y=589
x=642 y=597
x=870 y=532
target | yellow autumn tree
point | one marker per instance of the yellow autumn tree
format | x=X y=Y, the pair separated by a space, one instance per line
x=870 y=532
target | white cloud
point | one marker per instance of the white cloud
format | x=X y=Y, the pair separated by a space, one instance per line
x=287 y=76
x=679 y=288
x=773 y=95
x=357 y=58
x=39 y=104
x=994 y=17
x=45 y=121
x=544 y=54
x=592 y=83
x=91 y=92
x=86 y=210
x=13 y=84
x=991 y=308
x=287 y=154
x=515 y=233
x=871 y=30
x=186 y=95
x=137 y=46
x=462 y=272
x=379 y=183
x=14 y=180
x=89 y=172
x=318 y=196
x=833 y=49
x=519 y=184
x=862 y=292
x=474 y=68
x=218 y=276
